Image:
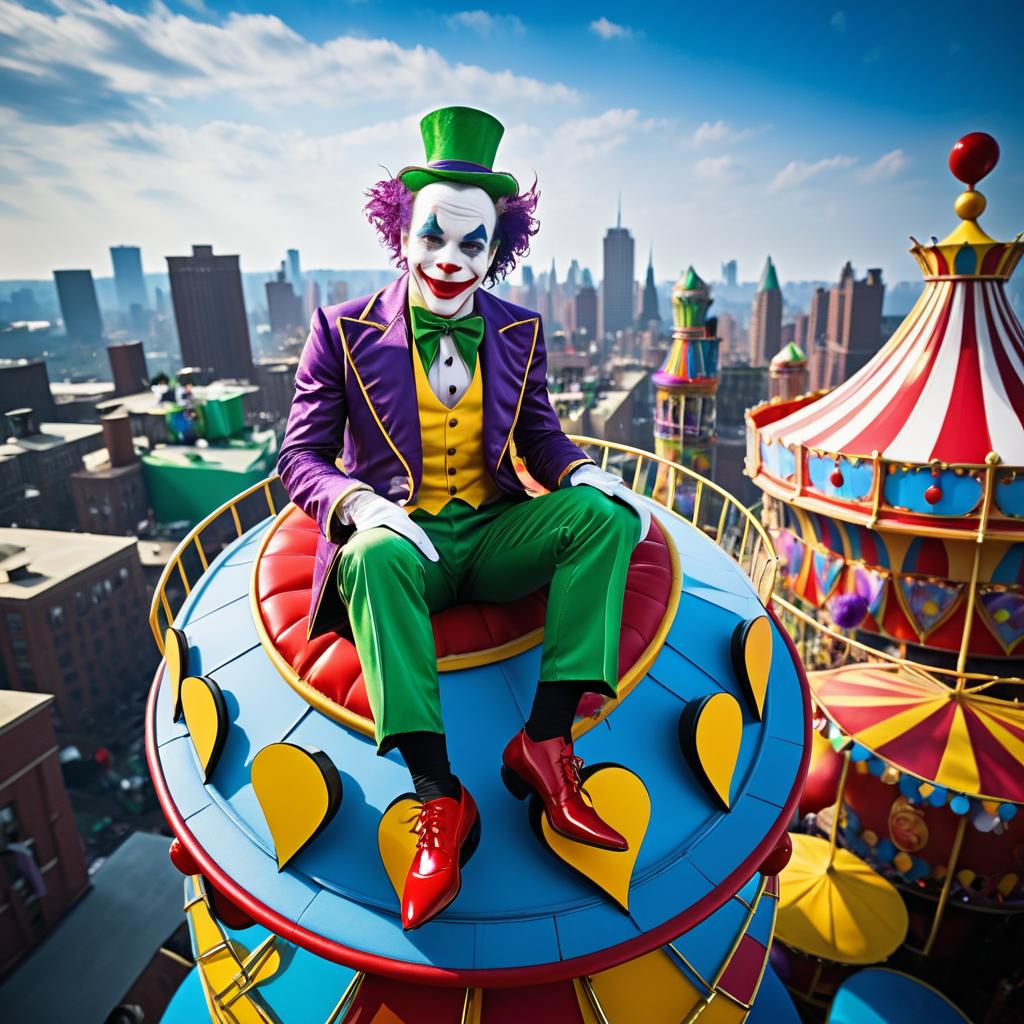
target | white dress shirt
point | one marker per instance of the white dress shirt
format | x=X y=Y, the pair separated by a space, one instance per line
x=448 y=375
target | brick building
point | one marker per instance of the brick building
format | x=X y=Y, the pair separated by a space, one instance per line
x=42 y=862
x=73 y=619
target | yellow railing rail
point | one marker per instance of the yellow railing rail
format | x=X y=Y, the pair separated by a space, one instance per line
x=714 y=511
x=191 y=552
x=705 y=505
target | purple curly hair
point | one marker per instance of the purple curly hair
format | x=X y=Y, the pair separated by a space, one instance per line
x=389 y=210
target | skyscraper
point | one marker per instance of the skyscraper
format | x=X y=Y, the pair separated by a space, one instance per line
x=729 y=273
x=294 y=270
x=649 y=313
x=617 y=282
x=766 y=317
x=210 y=312
x=284 y=307
x=78 y=306
x=586 y=310
x=128 y=279
x=854 y=329
x=814 y=342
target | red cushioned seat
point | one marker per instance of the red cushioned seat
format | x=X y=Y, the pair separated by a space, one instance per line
x=464 y=635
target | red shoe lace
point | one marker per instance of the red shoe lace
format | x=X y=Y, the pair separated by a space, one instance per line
x=430 y=825
x=571 y=765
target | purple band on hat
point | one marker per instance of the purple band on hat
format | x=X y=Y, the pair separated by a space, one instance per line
x=459 y=165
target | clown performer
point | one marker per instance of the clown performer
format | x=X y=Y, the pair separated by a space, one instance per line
x=423 y=389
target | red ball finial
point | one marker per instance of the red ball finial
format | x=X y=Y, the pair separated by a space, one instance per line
x=973 y=157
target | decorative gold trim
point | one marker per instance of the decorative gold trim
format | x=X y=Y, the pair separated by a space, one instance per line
x=368 y=307
x=366 y=398
x=535 y=320
x=337 y=501
x=573 y=465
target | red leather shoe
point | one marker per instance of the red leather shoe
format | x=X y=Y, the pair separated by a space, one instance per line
x=551 y=770
x=449 y=831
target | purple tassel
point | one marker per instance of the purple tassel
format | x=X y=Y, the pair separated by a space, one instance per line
x=848 y=611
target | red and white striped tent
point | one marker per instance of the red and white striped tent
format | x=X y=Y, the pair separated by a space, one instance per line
x=948 y=385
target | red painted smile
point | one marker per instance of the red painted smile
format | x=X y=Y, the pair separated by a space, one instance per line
x=446 y=289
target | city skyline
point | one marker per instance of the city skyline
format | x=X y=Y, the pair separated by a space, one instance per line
x=143 y=130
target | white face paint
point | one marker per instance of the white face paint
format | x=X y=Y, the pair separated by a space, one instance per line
x=449 y=245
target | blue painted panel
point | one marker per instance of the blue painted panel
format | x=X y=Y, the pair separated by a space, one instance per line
x=778 y=460
x=880 y=996
x=448 y=941
x=517 y=943
x=960 y=494
x=856 y=483
x=217 y=637
x=587 y=931
x=776 y=766
x=732 y=839
x=179 y=761
x=1010 y=496
x=250 y=866
x=763 y=924
x=647 y=902
x=707 y=944
x=168 y=729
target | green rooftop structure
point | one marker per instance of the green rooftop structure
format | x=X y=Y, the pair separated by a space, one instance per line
x=769 y=281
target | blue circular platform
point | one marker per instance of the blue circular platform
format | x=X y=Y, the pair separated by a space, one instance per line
x=519 y=910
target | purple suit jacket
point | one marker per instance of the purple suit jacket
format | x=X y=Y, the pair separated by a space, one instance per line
x=355 y=395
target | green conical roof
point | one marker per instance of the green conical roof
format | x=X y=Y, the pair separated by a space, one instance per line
x=692 y=280
x=769 y=281
x=792 y=353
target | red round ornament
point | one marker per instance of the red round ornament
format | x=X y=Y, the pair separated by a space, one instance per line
x=779 y=857
x=836 y=478
x=933 y=495
x=973 y=156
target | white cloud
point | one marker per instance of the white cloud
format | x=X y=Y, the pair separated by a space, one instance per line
x=885 y=167
x=93 y=55
x=798 y=171
x=486 y=23
x=612 y=30
x=718 y=169
x=585 y=139
x=838 y=21
x=719 y=133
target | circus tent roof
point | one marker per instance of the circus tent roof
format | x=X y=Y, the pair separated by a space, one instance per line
x=948 y=386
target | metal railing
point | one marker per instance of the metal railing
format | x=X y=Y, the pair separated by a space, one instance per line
x=707 y=506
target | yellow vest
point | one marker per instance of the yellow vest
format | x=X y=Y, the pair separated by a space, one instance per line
x=453 y=446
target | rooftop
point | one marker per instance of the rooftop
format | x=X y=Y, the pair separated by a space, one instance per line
x=51 y=556
x=52 y=435
x=16 y=705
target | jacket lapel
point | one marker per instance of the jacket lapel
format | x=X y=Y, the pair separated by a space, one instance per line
x=507 y=350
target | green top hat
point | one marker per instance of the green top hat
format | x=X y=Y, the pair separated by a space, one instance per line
x=460 y=144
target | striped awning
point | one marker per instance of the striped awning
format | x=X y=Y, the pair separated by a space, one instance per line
x=948 y=385
x=967 y=742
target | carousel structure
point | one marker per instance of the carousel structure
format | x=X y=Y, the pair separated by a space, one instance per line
x=293 y=835
x=896 y=504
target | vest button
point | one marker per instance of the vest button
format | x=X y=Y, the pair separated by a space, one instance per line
x=452 y=490
x=452 y=389
x=451 y=451
x=451 y=471
x=453 y=422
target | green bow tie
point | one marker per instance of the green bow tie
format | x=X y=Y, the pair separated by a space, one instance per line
x=467 y=333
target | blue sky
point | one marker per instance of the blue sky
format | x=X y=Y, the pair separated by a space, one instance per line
x=817 y=132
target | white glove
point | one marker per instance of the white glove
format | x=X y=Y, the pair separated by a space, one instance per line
x=365 y=510
x=615 y=487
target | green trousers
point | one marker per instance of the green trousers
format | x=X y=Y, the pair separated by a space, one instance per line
x=577 y=539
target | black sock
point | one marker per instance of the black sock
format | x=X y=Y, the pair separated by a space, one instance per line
x=426 y=756
x=554 y=709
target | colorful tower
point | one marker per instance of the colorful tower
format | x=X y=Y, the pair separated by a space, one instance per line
x=896 y=502
x=787 y=373
x=686 y=386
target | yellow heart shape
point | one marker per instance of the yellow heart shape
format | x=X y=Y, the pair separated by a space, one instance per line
x=752 y=659
x=396 y=841
x=710 y=730
x=206 y=716
x=299 y=791
x=622 y=800
x=176 y=659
